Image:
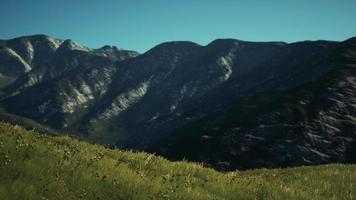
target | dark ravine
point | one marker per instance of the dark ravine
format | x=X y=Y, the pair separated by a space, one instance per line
x=230 y=104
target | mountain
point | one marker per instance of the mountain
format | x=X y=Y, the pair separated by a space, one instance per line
x=230 y=104
x=307 y=123
x=70 y=78
x=37 y=166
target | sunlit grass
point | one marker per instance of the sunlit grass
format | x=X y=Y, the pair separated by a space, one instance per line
x=35 y=166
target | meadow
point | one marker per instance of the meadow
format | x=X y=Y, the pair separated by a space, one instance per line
x=39 y=166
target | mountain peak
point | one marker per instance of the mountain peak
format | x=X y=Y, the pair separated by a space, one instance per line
x=33 y=37
x=108 y=47
x=71 y=45
x=175 y=46
x=236 y=42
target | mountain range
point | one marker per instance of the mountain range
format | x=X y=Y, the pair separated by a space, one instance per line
x=231 y=104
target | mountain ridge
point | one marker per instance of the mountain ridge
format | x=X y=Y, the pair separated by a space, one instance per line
x=138 y=101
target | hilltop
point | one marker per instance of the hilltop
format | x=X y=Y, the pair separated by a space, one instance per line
x=37 y=166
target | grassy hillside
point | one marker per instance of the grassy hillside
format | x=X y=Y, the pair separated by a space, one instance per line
x=25 y=122
x=36 y=166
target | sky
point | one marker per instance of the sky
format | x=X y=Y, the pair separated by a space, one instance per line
x=142 y=24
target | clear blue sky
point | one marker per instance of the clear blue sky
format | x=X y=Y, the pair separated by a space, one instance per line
x=142 y=24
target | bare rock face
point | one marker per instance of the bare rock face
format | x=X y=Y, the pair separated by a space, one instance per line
x=60 y=79
x=310 y=123
x=230 y=104
x=18 y=57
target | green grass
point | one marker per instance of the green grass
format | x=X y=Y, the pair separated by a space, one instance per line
x=36 y=166
x=25 y=122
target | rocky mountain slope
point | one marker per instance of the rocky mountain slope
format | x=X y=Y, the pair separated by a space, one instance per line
x=70 y=78
x=313 y=122
x=230 y=104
